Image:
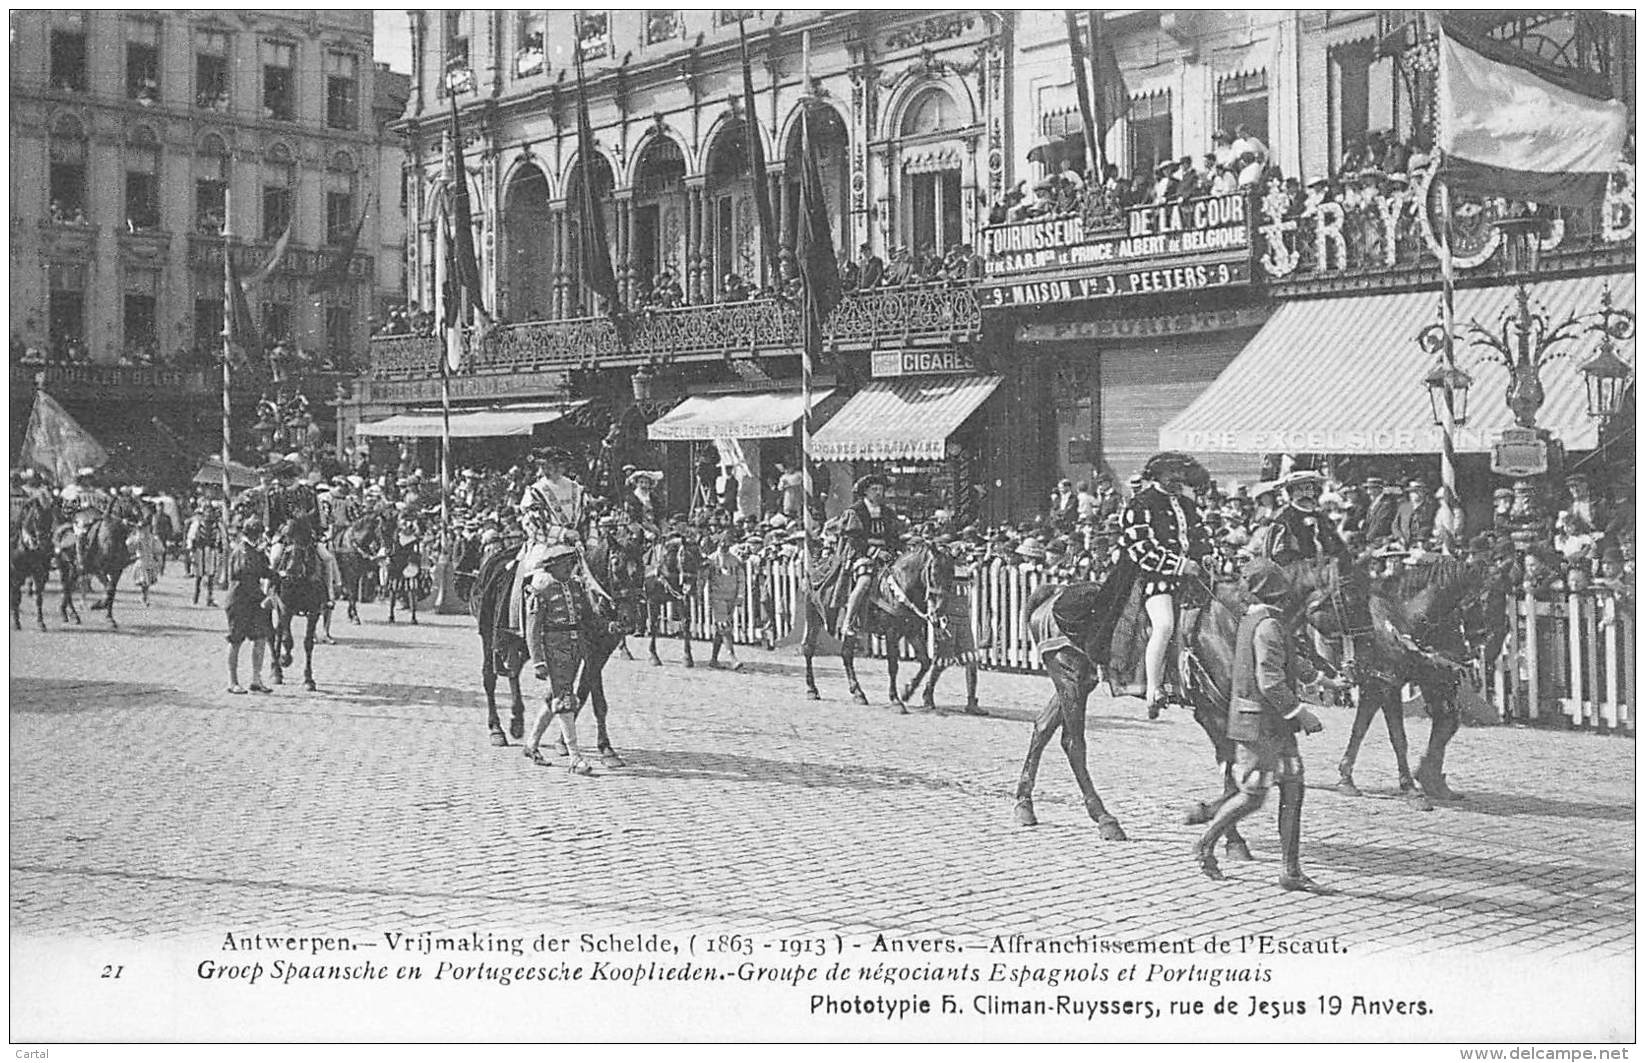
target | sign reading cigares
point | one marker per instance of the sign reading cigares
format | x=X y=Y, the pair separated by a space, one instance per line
x=1162 y=247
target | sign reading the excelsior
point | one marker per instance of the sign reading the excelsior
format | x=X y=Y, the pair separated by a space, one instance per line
x=1194 y=228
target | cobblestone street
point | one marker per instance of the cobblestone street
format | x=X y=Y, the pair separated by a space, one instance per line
x=148 y=804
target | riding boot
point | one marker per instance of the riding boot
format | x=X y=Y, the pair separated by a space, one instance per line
x=1237 y=806
x=1290 y=839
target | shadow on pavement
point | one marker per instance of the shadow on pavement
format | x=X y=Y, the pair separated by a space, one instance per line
x=729 y=767
x=1494 y=804
x=51 y=696
x=406 y=693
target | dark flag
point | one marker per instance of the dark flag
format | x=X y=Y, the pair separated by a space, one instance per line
x=595 y=248
x=54 y=441
x=335 y=275
x=1111 y=98
x=813 y=242
x=756 y=157
x=238 y=323
x=1082 y=89
x=466 y=263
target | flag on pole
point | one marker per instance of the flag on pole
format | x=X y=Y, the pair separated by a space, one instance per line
x=266 y=270
x=594 y=246
x=335 y=274
x=238 y=324
x=1082 y=87
x=1506 y=129
x=467 y=272
x=756 y=160
x=54 y=441
x=1110 y=97
x=813 y=240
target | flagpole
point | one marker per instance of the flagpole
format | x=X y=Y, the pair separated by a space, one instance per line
x=228 y=311
x=1447 y=303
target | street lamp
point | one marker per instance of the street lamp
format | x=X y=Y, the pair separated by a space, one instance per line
x=641 y=382
x=1448 y=386
x=1605 y=375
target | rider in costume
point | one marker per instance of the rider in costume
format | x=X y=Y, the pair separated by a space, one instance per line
x=1164 y=537
x=1299 y=531
x=84 y=503
x=873 y=534
x=551 y=514
x=640 y=505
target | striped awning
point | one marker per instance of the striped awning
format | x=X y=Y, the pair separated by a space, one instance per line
x=743 y=415
x=891 y=420
x=1345 y=376
x=468 y=424
x=932 y=161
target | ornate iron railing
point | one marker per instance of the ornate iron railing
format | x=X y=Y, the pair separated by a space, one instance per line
x=883 y=318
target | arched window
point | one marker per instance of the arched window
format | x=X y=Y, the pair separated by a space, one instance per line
x=729 y=230
x=143 y=181
x=211 y=174
x=340 y=188
x=658 y=226
x=528 y=225
x=67 y=177
x=279 y=189
x=930 y=178
x=584 y=301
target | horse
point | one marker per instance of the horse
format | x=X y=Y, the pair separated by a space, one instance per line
x=102 y=553
x=31 y=558
x=504 y=651
x=913 y=593
x=301 y=585
x=405 y=578
x=355 y=546
x=1206 y=635
x=672 y=569
x=1428 y=621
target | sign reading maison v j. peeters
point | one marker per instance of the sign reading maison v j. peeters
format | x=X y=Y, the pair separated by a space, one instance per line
x=1183 y=245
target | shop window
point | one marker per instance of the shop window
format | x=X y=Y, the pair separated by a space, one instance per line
x=68 y=60
x=211 y=73
x=66 y=174
x=1149 y=134
x=662 y=26
x=342 y=90
x=143 y=61
x=1242 y=100
x=934 y=206
x=279 y=85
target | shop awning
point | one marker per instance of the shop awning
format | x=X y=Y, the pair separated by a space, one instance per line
x=890 y=420
x=469 y=424
x=238 y=475
x=1345 y=376
x=743 y=415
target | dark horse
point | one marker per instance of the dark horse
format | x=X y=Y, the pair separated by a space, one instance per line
x=354 y=547
x=31 y=558
x=504 y=651
x=1208 y=633
x=300 y=580
x=912 y=593
x=672 y=568
x=104 y=555
x=1428 y=622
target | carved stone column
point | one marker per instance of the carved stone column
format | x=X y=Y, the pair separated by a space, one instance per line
x=562 y=279
x=694 y=242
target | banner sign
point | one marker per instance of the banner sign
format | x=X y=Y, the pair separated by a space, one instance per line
x=479 y=386
x=1143 y=328
x=913 y=363
x=1148 y=281
x=1216 y=224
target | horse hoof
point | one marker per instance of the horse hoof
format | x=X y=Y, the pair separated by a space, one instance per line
x=860 y=698
x=689 y=663
x=612 y=760
x=308 y=684
x=1108 y=829
x=581 y=767
x=112 y=625
x=656 y=662
x=812 y=695
x=1406 y=784
x=1346 y=788
x=1419 y=801
x=1023 y=814
x=498 y=739
x=1237 y=850
x=42 y=625
x=516 y=728
x=560 y=749
x=413 y=621
x=278 y=680
x=902 y=710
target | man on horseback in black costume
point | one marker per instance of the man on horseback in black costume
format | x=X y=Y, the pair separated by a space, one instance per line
x=1165 y=538
x=84 y=504
x=873 y=534
x=1299 y=531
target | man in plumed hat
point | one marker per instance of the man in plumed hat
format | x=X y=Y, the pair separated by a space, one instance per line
x=1299 y=531
x=873 y=534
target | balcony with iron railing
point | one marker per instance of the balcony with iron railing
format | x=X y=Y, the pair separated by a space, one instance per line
x=913 y=316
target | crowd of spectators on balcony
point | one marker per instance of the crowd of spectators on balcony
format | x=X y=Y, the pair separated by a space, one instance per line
x=405 y=319
x=62 y=214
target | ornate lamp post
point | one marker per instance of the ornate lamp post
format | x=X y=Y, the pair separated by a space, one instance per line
x=1606 y=376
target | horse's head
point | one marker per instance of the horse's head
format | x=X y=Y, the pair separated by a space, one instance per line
x=688 y=560
x=925 y=572
x=34 y=524
x=1334 y=600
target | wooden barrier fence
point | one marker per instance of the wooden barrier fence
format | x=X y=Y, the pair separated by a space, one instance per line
x=1571 y=658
